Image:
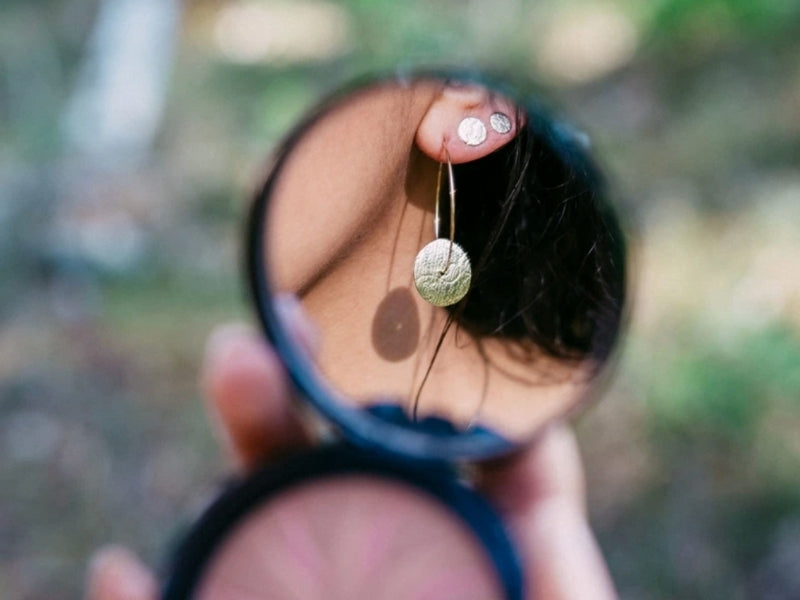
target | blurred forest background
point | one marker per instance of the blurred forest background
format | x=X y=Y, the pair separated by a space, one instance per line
x=131 y=133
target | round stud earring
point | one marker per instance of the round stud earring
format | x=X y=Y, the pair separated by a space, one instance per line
x=500 y=122
x=472 y=131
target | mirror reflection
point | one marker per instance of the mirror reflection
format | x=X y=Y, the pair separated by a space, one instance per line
x=454 y=248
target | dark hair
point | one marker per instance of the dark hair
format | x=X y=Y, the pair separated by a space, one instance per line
x=548 y=251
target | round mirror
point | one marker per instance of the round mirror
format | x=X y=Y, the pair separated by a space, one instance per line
x=454 y=248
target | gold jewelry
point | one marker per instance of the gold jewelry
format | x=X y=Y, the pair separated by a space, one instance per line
x=442 y=271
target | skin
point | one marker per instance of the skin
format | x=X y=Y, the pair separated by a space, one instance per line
x=539 y=491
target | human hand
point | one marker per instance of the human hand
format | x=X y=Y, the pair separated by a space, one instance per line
x=539 y=492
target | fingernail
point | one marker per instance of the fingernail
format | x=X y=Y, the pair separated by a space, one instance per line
x=287 y=306
x=225 y=339
x=296 y=320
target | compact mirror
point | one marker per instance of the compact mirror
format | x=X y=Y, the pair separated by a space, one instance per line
x=453 y=246
x=339 y=522
x=350 y=537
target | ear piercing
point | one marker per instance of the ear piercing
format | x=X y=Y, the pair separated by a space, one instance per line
x=500 y=122
x=472 y=131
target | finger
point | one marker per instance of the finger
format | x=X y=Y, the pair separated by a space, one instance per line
x=116 y=574
x=548 y=470
x=249 y=397
x=541 y=495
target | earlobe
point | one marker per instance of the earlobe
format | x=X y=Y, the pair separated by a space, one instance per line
x=469 y=121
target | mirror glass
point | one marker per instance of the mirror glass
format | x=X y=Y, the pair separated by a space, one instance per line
x=495 y=329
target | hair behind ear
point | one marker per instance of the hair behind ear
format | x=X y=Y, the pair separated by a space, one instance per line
x=547 y=249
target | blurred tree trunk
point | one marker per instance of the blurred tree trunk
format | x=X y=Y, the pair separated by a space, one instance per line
x=115 y=110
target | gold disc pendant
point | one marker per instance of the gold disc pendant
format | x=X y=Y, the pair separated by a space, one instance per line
x=439 y=281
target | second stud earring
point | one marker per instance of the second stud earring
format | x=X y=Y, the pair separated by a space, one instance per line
x=500 y=122
x=472 y=131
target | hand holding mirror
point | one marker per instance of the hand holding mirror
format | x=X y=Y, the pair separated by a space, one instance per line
x=360 y=191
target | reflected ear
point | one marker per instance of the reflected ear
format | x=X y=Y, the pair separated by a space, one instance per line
x=440 y=125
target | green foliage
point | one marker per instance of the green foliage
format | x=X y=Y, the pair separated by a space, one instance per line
x=704 y=18
x=721 y=390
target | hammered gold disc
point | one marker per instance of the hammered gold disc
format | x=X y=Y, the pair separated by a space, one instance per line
x=438 y=282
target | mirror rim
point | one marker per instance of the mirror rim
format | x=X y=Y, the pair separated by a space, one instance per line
x=242 y=497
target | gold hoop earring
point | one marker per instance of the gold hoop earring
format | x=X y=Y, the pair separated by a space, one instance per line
x=442 y=271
